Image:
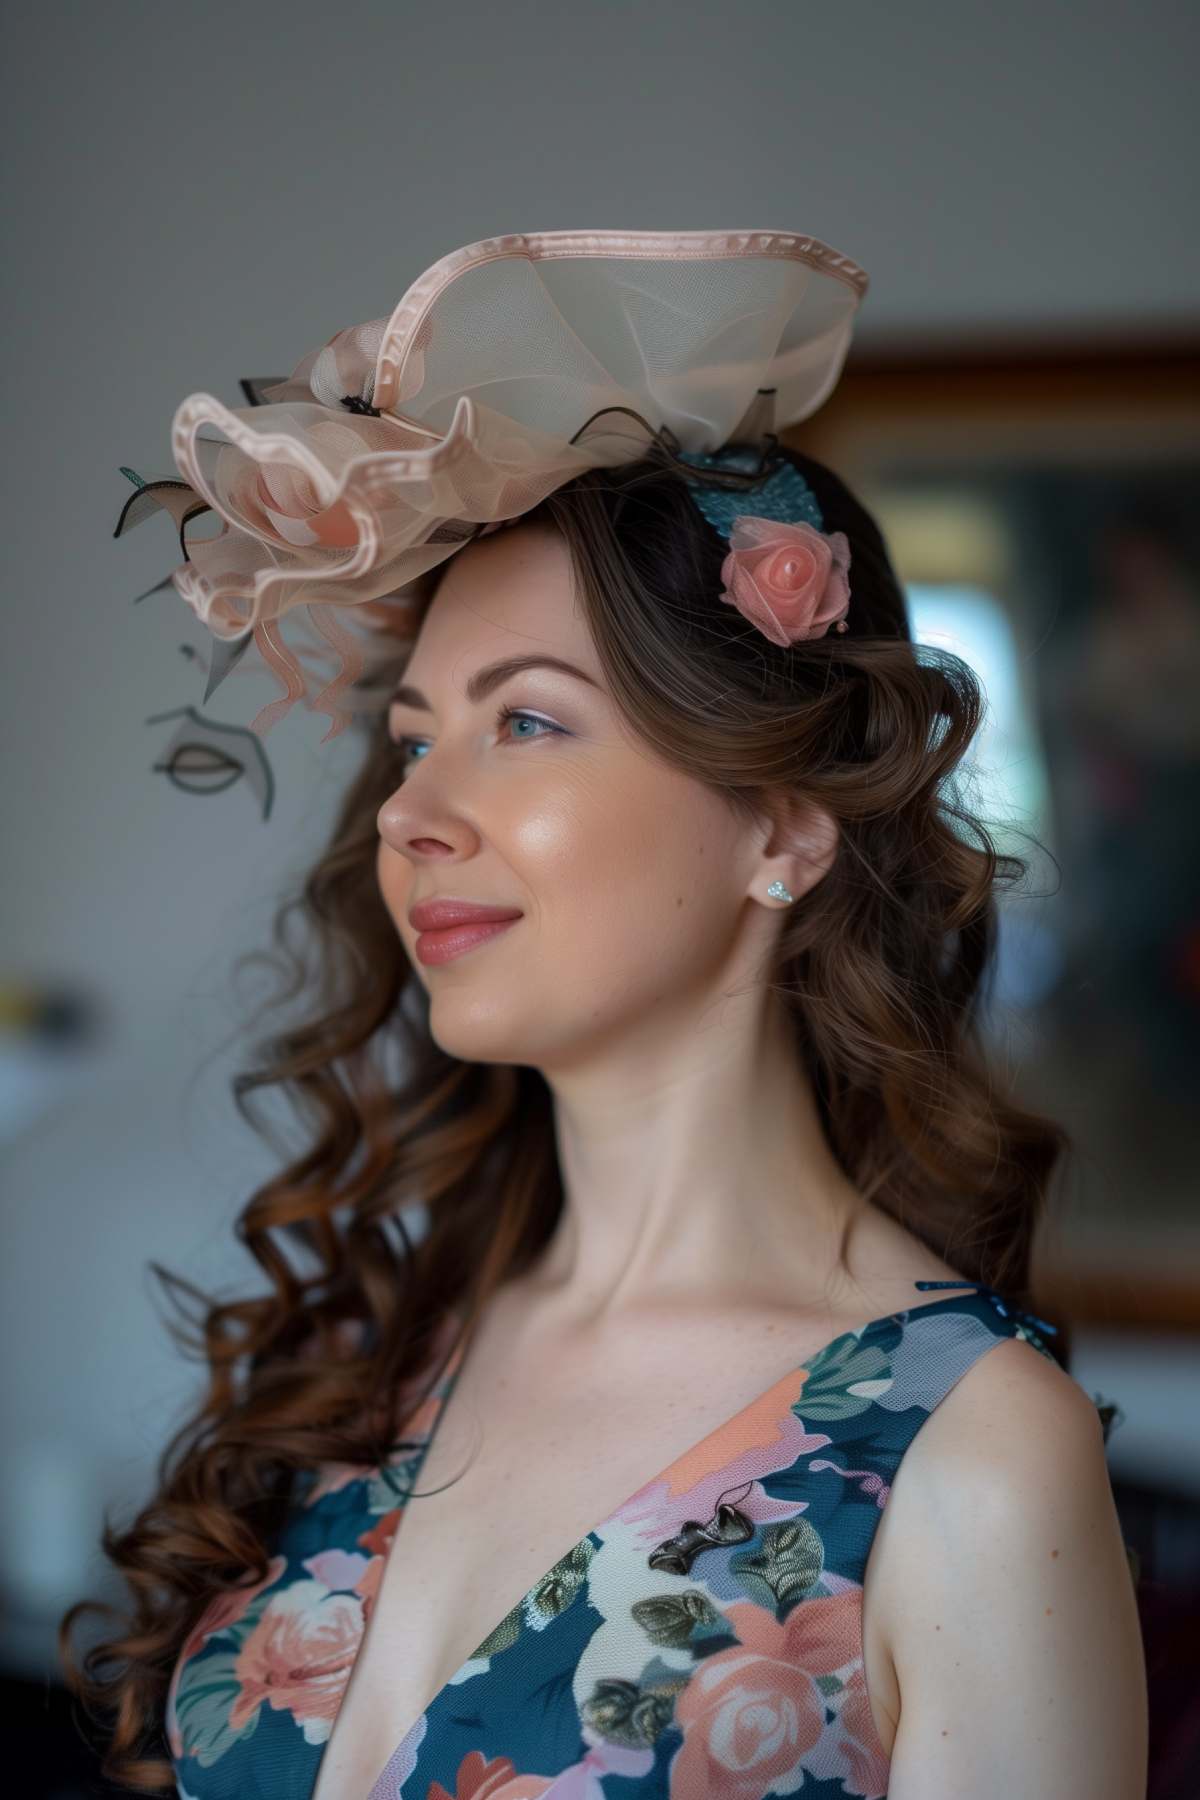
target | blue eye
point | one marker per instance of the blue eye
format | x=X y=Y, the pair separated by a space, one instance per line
x=404 y=744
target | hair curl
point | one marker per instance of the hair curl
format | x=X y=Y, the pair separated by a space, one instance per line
x=883 y=970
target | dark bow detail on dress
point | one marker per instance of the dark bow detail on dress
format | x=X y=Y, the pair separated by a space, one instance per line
x=727 y=1526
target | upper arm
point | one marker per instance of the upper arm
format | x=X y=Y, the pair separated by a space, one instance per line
x=1017 y=1645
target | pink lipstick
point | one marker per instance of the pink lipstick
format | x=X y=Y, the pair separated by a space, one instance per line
x=453 y=940
x=447 y=928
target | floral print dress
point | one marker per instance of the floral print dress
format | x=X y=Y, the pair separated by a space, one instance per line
x=703 y=1642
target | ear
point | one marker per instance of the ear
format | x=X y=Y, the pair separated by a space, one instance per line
x=800 y=848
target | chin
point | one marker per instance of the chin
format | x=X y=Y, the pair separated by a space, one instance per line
x=473 y=1030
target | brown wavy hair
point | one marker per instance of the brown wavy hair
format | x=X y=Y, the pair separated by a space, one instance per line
x=883 y=968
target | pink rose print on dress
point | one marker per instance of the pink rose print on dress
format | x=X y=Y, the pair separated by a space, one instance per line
x=298 y=1658
x=788 y=579
x=752 y=1716
x=223 y=1610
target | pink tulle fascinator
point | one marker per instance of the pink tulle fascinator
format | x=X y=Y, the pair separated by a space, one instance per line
x=506 y=369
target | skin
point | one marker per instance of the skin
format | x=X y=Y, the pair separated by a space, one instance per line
x=632 y=983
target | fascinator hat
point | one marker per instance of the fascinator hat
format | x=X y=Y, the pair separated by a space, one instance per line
x=507 y=369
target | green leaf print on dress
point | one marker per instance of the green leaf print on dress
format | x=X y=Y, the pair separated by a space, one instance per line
x=783 y=1566
x=846 y=1379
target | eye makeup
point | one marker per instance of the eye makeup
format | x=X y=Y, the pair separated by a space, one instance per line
x=403 y=743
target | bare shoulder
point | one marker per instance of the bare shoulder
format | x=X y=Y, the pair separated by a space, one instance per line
x=1009 y=1404
x=1015 y=1425
x=1012 y=1584
x=981 y=1442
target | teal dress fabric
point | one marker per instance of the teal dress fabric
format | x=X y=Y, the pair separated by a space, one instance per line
x=703 y=1642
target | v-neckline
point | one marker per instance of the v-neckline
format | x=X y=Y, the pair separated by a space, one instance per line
x=450 y=1378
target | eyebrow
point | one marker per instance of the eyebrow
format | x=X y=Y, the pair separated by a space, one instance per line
x=481 y=683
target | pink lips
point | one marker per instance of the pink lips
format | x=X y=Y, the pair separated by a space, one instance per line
x=446 y=928
x=452 y=940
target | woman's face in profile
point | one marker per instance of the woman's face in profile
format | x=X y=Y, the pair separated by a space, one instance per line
x=630 y=876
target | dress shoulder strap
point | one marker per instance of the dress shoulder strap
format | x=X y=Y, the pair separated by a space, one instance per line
x=1031 y=1328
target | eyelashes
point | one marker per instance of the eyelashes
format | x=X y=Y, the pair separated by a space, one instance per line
x=403 y=744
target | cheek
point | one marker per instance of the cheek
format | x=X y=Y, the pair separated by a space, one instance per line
x=639 y=868
x=593 y=835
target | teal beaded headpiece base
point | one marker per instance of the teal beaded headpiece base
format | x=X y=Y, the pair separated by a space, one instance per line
x=784 y=495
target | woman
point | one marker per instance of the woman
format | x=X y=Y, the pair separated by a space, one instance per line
x=703 y=1490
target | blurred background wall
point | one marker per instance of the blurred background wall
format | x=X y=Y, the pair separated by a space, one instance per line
x=195 y=196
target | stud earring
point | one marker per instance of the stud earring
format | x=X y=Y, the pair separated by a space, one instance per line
x=777 y=891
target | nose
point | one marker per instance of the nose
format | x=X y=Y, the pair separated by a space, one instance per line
x=405 y=828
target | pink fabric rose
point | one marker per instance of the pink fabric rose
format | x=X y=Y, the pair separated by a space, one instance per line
x=788 y=579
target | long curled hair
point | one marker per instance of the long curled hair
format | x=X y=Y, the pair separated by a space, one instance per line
x=882 y=968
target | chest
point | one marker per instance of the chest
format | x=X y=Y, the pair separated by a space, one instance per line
x=526 y=1466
